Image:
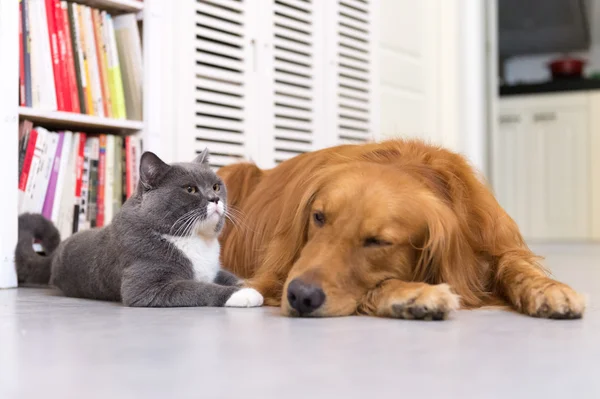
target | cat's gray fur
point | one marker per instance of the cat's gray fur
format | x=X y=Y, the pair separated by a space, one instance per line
x=130 y=260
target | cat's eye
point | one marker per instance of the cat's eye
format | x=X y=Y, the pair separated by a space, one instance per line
x=375 y=242
x=217 y=187
x=319 y=218
x=191 y=189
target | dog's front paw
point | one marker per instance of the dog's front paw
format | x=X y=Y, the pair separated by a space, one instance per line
x=430 y=302
x=245 y=298
x=554 y=300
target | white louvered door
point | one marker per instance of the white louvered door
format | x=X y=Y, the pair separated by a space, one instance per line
x=273 y=78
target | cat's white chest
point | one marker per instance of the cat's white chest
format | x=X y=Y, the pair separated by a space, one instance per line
x=203 y=253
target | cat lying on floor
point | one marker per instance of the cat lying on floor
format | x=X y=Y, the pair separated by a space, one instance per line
x=161 y=250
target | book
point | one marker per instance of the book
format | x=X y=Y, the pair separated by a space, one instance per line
x=21 y=58
x=84 y=222
x=54 y=54
x=109 y=173
x=89 y=97
x=26 y=51
x=51 y=190
x=129 y=48
x=59 y=24
x=118 y=175
x=70 y=59
x=78 y=57
x=28 y=201
x=102 y=63
x=24 y=175
x=114 y=71
x=24 y=131
x=65 y=216
x=62 y=176
x=101 y=181
x=78 y=180
x=92 y=61
x=42 y=75
x=93 y=181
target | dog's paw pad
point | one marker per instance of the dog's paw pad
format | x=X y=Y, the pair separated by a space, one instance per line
x=245 y=298
x=557 y=301
x=431 y=303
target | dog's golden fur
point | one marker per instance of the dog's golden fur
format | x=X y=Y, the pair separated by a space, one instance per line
x=405 y=230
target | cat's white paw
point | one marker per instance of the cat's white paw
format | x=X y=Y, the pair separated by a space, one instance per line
x=245 y=298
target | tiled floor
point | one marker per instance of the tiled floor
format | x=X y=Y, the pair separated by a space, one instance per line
x=56 y=347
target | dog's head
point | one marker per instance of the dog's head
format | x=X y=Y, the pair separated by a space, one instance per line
x=361 y=224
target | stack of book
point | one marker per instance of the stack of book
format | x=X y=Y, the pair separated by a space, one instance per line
x=74 y=179
x=75 y=58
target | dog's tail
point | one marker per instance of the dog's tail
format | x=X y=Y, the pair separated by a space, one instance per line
x=31 y=266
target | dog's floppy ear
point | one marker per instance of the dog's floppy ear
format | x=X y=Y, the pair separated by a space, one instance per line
x=446 y=256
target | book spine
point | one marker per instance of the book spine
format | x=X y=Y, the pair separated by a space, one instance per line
x=65 y=216
x=118 y=175
x=35 y=59
x=114 y=70
x=47 y=82
x=89 y=101
x=130 y=56
x=91 y=54
x=63 y=171
x=51 y=191
x=21 y=57
x=77 y=56
x=26 y=51
x=85 y=186
x=28 y=159
x=128 y=167
x=28 y=203
x=24 y=131
x=93 y=186
x=59 y=24
x=55 y=54
x=78 y=180
x=69 y=60
x=109 y=177
x=137 y=153
x=100 y=55
x=101 y=181
x=124 y=171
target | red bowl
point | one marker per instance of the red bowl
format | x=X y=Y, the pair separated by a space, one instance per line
x=567 y=68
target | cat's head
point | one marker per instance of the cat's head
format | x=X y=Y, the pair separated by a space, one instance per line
x=182 y=199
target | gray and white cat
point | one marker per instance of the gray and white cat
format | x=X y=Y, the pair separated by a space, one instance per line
x=161 y=249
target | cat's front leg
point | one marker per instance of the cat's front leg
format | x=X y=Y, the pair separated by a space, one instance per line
x=228 y=279
x=147 y=286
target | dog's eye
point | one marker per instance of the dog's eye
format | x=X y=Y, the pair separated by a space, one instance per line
x=217 y=187
x=319 y=218
x=375 y=242
x=191 y=189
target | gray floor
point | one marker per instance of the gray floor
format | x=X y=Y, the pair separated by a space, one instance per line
x=51 y=346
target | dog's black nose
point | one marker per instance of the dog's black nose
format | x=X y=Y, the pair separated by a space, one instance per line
x=304 y=297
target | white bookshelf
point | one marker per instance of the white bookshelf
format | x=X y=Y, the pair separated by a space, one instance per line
x=69 y=120
x=149 y=11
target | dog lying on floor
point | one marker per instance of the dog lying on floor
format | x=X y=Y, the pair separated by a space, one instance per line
x=395 y=229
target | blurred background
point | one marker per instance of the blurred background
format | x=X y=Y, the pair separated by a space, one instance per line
x=510 y=84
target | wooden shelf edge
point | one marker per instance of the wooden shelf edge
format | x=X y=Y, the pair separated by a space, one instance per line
x=115 y=5
x=69 y=120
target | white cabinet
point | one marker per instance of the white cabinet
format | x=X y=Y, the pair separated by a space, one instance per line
x=542 y=165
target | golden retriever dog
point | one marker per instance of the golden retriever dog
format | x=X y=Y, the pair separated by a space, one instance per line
x=397 y=229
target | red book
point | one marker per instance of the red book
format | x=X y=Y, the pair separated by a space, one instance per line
x=21 y=59
x=60 y=102
x=62 y=53
x=101 y=182
x=70 y=61
x=129 y=166
x=27 y=161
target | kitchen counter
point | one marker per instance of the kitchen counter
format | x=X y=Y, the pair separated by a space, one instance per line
x=550 y=87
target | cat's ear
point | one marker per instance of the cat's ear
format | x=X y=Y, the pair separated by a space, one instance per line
x=152 y=169
x=202 y=157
